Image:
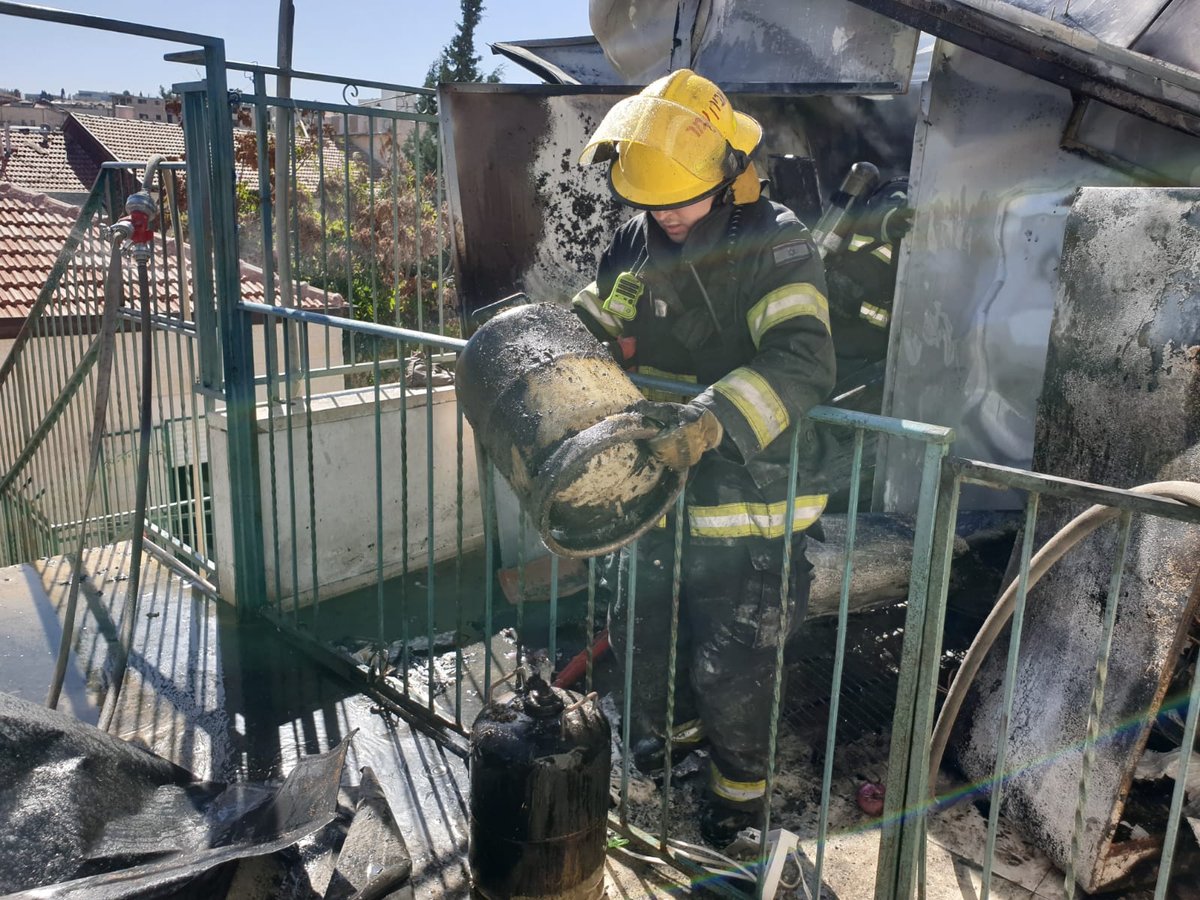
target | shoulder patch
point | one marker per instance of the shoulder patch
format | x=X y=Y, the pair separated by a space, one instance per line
x=792 y=252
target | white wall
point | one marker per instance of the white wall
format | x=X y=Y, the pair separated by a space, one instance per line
x=344 y=492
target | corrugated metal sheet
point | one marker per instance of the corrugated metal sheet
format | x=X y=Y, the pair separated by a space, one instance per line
x=771 y=44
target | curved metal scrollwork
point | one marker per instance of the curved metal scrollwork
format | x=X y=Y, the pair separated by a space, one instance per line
x=351 y=90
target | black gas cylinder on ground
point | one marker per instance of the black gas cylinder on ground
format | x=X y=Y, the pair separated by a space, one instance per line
x=540 y=764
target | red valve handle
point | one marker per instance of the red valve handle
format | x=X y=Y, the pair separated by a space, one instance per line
x=143 y=232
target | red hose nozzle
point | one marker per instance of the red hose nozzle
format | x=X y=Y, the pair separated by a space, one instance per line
x=142 y=211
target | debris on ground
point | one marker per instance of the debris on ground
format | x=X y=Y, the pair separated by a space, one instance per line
x=84 y=814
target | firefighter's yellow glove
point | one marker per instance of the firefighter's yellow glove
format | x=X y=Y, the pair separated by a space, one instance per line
x=689 y=431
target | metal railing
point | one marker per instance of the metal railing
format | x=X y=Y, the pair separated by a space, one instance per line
x=443 y=684
x=406 y=464
x=359 y=221
x=49 y=384
x=1071 y=751
x=364 y=277
x=355 y=228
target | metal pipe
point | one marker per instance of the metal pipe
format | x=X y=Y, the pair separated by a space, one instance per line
x=103 y=23
x=142 y=211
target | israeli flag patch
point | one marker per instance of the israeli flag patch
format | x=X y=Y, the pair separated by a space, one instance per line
x=792 y=252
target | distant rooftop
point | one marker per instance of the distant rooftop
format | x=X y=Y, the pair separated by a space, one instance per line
x=43 y=162
x=33 y=229
x=130 y=140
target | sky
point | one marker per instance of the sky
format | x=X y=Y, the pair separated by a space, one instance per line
x=368 y=39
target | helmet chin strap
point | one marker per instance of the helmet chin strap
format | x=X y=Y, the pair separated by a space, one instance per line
x=743 y=179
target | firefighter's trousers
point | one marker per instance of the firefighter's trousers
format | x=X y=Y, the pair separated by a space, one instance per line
x=729 y=624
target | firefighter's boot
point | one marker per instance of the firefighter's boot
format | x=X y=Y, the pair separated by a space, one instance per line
x=649 y=754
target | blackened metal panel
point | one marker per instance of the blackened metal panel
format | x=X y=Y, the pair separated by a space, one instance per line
x=978 y=273
x=1147 y=150
x=574 y=60
x=1160 y=154
x=819 y=41
x=1061 y=53
x=1174 y=36
x=756 y=42
x=1113 y=21
x=528 y=218
x=1120 y=407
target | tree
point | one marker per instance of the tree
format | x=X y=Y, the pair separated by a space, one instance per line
x=367 y=240
x=458 y=63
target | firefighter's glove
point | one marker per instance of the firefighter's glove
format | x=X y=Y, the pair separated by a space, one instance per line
x=689 y=431
x=895 y=223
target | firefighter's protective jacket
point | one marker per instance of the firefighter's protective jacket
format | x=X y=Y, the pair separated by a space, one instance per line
x=741 y=306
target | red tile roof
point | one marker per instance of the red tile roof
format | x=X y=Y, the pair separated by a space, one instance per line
x=45 y=163
x=131 y=140
x=33 y=229
x=136 y=140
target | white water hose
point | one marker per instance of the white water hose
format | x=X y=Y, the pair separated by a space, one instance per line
x=1051 y=552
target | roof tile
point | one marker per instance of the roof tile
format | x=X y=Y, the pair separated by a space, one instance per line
x=133 y=140
x=46 y=163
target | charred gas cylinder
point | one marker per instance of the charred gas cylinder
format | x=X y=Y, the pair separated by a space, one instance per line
x=539 y=796
x=559 y=419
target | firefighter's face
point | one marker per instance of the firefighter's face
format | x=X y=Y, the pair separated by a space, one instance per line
x=677 y=223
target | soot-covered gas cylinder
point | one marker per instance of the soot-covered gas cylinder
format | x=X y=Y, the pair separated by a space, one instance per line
x=560 y=420
x=539 y=796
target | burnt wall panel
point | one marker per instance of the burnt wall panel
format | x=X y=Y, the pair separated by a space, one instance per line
x=1121 y=406
x=978 y=274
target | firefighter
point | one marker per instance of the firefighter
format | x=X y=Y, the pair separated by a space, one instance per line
x=715 y=284
x=862 y=277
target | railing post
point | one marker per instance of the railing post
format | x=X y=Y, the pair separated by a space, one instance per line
x=236 y=344
x=907 y=799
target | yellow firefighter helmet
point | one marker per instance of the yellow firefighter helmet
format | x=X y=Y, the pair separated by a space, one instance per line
x=676 y=142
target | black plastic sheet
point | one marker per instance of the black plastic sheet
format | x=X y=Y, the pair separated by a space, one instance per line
x=86 y=815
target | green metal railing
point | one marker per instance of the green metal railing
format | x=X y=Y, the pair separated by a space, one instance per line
x=49 y=385
x=342 y=395
x=215 y=279
x=299 y=606
x=1178 y=504
x=405 y=613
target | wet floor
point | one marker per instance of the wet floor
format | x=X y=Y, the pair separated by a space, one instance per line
x=230 y=701
x=236 y=701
